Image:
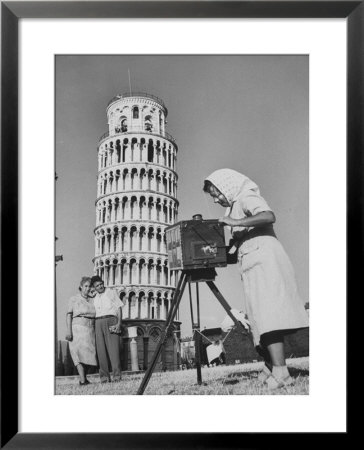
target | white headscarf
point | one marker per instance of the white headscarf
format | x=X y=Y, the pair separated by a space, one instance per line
x=231 y=183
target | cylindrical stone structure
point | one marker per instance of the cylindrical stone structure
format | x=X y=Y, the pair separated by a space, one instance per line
x=136 y=201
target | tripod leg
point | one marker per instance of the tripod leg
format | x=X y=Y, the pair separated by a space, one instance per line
x=225 y=305
x=196 y=334
x=198 y=341
x=172 y=312
x=191 y=306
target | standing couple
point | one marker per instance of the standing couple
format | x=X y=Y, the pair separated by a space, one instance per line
x=93 y=327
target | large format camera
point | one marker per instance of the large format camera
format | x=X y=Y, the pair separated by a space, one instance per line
x=196 y=244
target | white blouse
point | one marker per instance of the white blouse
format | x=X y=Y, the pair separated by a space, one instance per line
x=107 y=303
x=248 y=203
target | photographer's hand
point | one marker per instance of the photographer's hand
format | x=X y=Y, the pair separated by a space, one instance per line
x=227 y=220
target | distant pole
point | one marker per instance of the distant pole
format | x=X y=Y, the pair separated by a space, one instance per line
x=129 y=82
x=57 y=259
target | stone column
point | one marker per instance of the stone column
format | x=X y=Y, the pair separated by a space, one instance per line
x=134 y=354
x=111 y=242
x=117 y=181
x=127 y=210
x=164 y=244
x=142 y=152
x=112 y=275
x=118 y=273
x=120 y=240
x=137 y=151
x=154 y=182
x=145 y=273
x=127 y=152
x=144 y=308
x=126 y=273
x=134 y=307
x=115 y=208
x=145 y=210
x=150 y=206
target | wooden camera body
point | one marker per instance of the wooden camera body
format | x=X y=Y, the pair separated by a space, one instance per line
x=196 y=244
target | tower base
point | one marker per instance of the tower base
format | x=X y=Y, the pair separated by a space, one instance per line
x=148 y=335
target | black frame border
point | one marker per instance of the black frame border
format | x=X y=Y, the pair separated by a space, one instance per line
x=11 y=13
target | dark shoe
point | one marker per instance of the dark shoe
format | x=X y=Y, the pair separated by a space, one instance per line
x=85 y=382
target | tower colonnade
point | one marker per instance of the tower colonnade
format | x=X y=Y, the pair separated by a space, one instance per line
x=130 y=238
x=136 y=206
x=137 y=177
x=116 y=149
x=135 y=270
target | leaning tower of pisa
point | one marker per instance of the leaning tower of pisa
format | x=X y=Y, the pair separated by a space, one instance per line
x=136 y=201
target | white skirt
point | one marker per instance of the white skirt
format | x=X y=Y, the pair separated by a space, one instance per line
x=271 y=299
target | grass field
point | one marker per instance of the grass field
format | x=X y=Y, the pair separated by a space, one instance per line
x=240 y=379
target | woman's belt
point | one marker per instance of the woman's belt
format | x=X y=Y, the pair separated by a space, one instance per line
x=83 y=317
x=257 y=232
x=106 y=317
x=84 y=321
x=235 y=242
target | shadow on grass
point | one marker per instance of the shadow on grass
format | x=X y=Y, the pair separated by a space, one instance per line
x=295 y=373
x=237 y=377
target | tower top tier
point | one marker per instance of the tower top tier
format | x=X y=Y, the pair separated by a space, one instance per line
x=136 y=112
x=137 y=97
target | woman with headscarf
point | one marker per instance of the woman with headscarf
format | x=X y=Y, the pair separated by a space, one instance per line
x=271 y=300
x=81 y=329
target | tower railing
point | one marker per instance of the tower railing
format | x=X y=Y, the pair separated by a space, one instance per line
x=136 y=130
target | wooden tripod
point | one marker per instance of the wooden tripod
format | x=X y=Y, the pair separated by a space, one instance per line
x=190 y=276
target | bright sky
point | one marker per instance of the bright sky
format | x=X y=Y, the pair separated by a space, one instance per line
x=245 y=112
